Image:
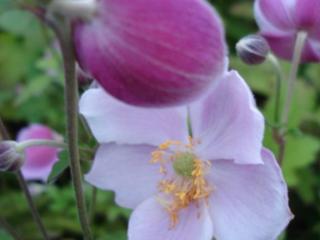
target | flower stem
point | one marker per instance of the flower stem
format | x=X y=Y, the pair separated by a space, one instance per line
x=71 y=108
x=299 y=45
x=3 y=131
x=62 y=30
x=279 y=78
x=298 y=49
x=277 y=136
x=40 y=142
x=93 y=203
x=35 y=214
x=5 y=225
x=50 y=143
x=24 y=187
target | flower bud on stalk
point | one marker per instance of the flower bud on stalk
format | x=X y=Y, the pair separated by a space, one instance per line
x=152 y=53
x=10 y=158
x=253 y=49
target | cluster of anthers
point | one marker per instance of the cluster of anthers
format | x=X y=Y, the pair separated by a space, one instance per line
x=186 y=184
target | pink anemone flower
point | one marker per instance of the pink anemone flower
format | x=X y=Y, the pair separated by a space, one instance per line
x=281 y=20
x=189 y=173
x=39 y=160
x=152 y=53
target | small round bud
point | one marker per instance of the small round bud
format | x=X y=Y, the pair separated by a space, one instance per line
x=253 y=49
x=73 y=9
x=10 y=159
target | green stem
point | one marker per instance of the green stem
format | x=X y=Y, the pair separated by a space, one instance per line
x=6 y=226
x=71 y=108
x=93 y=203
x=50 y=143
x=299 y=45
x=40 y=142
x=35 y=214
x=279 y=78
x=189 y=124
x=279 y=135
x=3 y=131
x=36 y=217
x=85 y=126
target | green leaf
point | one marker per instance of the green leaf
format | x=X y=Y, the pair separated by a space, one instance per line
x=59 y=167
x=15 y=60
x=34 y=87
x=6 y=5
x=308 y=182
x=17 y=22
x=301 y=149
x=282 y=236
x=119 y=235
x=300 y=152
x=260 y=78
x=4 y=235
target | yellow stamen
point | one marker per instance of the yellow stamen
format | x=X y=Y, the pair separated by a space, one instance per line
x=162 y=170
x=182 y=190
x=166 y=186
x=168 y=143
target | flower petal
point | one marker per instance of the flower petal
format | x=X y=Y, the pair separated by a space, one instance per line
x=151 y=221
x=264 y=24
x=227 y=122
x=42 y=174
x=113 y=121
x=249 y=202
x=150 y=52
x=277 y=12
x=283 y=46
x=38 y=160
x=127 y=171
x=307 y=14
x=315 y=47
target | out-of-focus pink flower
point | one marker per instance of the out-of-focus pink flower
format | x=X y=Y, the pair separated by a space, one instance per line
x=39 y=160
x=281 y=20
x=216 y=182
x=150 y=52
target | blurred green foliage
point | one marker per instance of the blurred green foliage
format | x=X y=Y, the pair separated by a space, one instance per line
x=31 y=91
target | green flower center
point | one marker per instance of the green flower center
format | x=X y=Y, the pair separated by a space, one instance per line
x=183 y=164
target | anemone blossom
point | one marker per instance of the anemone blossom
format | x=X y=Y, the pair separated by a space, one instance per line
x=189 y=173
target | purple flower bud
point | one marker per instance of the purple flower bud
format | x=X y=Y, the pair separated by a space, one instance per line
x=10 y=159
x=253 y=49
x=152 y=53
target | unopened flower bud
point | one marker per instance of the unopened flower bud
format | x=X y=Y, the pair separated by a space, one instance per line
x=253 y=49
x=10 y=159
x=153 y=53
x=73 y=9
